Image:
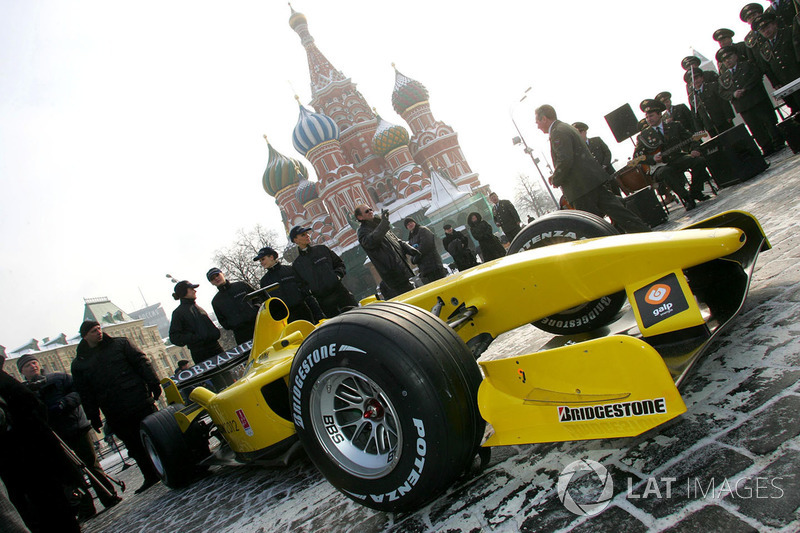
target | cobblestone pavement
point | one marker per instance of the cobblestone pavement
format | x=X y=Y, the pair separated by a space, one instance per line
x=734 y=456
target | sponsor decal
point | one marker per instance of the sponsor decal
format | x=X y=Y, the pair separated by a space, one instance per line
x=245 y=424
x=214 y=362
x=660 y=300
x=655 y=406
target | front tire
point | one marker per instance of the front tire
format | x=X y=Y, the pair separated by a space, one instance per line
x=384 y=400
x=174 y=454
x=566 y=226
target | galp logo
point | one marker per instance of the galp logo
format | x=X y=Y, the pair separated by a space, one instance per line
x=657 y=294
x=590 y=508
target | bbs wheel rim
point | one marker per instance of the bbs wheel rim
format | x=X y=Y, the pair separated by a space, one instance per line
x=355 y=423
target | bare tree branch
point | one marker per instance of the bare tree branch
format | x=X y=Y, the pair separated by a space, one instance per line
x=530 y=198
x=236 y=261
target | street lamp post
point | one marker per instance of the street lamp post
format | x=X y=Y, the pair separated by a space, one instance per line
x=528 y=150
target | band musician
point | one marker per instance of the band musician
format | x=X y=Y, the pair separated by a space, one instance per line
x=662 y=144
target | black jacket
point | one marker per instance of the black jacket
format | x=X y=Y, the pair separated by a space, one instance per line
x=491 y=248
x=424 y=240
x=320 y=269
x=505 y=215
x=458 y=246
x=387 y=252
x=191 y=327
x=748 y=78
x=114 y=377
x=233 y=311
x=682 y=115
x=601 y=153
x=651 y=142
x=64 y=412
x=576 y=171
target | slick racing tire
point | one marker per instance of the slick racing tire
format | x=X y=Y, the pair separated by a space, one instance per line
x=566 y=226
x=174 y=454
x=384 y=400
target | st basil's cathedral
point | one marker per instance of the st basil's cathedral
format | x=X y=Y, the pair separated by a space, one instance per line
x=359 y=158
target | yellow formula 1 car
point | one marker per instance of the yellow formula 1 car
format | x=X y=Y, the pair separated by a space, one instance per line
x=389 y=403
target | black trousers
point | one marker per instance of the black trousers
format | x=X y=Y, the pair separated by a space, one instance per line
x=336 y=302
x=697 y=167
x=127 y=429
x=763 y=124
x=601 y=202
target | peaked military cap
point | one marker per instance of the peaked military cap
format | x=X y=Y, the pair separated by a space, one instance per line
x=652 y=106
x=692 y=74
x=749 y=11
x=664 y=95
x=762 y=20
x=722 y=33
x=725 y=51
x=580 y=126
x=689 y=62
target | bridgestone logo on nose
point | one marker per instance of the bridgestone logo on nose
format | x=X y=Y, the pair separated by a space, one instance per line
x=655 y=406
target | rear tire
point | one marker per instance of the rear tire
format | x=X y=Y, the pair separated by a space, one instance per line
x=566 y=226
x=384 y=400
x=174 y=454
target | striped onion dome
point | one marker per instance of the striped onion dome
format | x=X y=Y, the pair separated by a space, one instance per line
x=313 y=129
x=388 y=137
x=306 y=191
x=281 y=171
x=407 y=92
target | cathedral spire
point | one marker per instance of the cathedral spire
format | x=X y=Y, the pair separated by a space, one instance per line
x=321 y=70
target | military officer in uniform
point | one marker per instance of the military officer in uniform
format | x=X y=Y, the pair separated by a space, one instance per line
x=662 y=144
x=713 y=111
x=601 y=154
x=741 y=85
x=751 y=40
x=679 y=112
x=777 y=56
x=724 y=37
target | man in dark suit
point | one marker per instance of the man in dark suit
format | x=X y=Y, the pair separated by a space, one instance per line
x=663 y=143
x=783 y=10
x=678 y=113
x=713 y=111
x=747 y=15
x=741 y=85
x=580 y=176
x=776 y=55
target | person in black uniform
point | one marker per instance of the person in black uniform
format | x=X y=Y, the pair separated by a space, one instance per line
x=776 y=55
x=677 y=113
x=321 y=271
x=662 y=137
x=724 y=37
x=601 y=154
x=232 y=310
x=741 y=85
x=580 y=176
x=713 y=111
x=505 y=216
x=301 y=303
x=190 y=325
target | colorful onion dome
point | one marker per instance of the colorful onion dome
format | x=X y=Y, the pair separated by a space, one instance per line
x=296 y=19
x=313 y=129
x=407 y=92
x=281 y=171
x=388 y=137
x=306 y=191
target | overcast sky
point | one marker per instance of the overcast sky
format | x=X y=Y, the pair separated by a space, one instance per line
x=131 y=132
